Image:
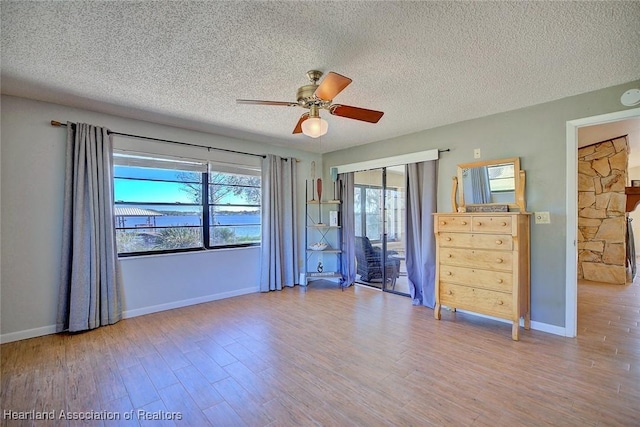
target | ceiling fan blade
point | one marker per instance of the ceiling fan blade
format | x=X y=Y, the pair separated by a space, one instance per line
x=298 y=128
x=258 y=102
x=332 y=85
x=356 y=113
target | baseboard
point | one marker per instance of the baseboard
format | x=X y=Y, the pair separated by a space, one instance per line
x=51 y=329
x=29 y=333
x=187 y=302
x=537 y=326
x=551 y=329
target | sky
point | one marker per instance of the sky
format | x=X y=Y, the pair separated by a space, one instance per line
x=130 y=190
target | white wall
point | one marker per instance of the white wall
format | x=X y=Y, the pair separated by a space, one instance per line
x=634 y=173
x=32 y=179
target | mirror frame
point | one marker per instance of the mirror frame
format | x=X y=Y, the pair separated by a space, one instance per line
x=518 y=175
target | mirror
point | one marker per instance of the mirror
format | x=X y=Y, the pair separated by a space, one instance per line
x=489 y=185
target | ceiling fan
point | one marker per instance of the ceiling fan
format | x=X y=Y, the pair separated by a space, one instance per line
x=315 y=97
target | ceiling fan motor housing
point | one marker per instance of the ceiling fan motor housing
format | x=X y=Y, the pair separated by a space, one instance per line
x=306 y=94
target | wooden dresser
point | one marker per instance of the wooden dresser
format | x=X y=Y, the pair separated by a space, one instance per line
x=483 y=264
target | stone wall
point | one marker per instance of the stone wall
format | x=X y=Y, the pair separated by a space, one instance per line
x=602 y=177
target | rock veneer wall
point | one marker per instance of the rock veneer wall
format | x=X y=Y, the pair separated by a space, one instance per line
x=602 y=221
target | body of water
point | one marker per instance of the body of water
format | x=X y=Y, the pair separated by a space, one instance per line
x=243 y=225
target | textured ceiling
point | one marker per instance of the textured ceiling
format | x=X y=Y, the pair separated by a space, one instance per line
x=425 y=64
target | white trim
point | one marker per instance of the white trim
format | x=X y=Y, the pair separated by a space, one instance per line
x=187 y=302
x=29 y=333
x=51 y=329
x=402 y=159
x=571 y=278
x=550 y=329
x=571 y=252
x=536 y=326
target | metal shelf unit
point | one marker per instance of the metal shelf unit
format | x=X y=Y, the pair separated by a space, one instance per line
x=318 y=229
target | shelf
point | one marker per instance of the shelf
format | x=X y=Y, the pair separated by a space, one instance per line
x=325 y=202
x=633 y=198
x=322 y=226
x=323 y=275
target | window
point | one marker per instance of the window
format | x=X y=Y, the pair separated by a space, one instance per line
x=234 y=208
x=162 y=205
x=367 y=209
x=501 y=178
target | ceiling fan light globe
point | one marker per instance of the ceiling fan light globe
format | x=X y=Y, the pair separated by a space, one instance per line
x=315 y=127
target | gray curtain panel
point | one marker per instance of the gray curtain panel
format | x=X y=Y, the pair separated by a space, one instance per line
x=348 y=259
x=421 y=245
x=279 y=249
x=480 y=185
x=91 y=284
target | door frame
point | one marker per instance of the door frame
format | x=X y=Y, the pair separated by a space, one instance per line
x=571 y=279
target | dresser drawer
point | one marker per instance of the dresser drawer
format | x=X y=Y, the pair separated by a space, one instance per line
x=486 y=279
x=500 y=242
x=474 y=299
x=453 y=223
x=477 y=258
x=491 y=224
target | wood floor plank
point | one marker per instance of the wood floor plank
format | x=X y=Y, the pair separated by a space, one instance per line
x=155 y=414
x=172 y=355
x=206 y=366
x=140 y=388
x=223 y=415
x=251 y=412
x=357 y=357
x=221 y=356
x=123 y=412
x=177 y=399
x=158 y=370
x=260 y=390
x=200 y=390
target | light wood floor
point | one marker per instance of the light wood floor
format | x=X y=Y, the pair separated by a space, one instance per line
x=325 y=357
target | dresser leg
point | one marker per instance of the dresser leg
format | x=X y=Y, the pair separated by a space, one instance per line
x=527 y=321
x=436 y=312
x=515 y=331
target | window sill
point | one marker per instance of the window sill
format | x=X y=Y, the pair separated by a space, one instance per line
x=187 y=253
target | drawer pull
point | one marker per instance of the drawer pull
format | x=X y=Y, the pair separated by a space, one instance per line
x=449 y=255
x=500 y=302
x=500 y=280
x=479 y=223
x=498 y=242
x=464 y=223
x=499 y=260
x=504 y=224
x=448 y=239
x=443 y=222
x=450 y=292
x=448 y=273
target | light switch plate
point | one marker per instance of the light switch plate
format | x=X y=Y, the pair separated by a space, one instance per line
x=476 y=153
x=542 y=217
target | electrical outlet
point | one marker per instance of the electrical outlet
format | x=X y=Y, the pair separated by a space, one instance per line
x=542 y=217
x=476 y=153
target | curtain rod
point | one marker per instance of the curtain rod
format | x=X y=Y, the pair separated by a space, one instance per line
x=60 y=124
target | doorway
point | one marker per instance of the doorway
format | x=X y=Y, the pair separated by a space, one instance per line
x=571 y=278
x=379 y=219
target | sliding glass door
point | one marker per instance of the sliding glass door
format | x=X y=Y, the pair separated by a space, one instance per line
x=379 y=209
